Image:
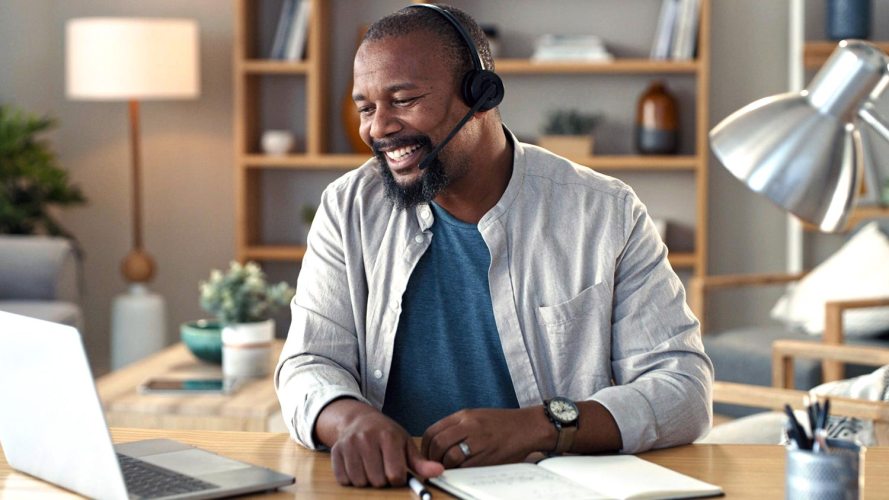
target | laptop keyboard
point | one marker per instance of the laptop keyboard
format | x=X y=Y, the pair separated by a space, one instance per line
x=150 y=481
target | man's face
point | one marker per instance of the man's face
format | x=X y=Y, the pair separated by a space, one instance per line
x=406 y=97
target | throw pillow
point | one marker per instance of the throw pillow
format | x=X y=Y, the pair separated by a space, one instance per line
x=858 y=270
x=872 y=387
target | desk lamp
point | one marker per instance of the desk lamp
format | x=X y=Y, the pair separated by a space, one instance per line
x=133 y=59
x=803 y=150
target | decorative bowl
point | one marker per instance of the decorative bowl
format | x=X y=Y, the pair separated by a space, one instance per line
x=204 y=339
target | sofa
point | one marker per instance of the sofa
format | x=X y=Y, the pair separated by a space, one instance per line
x=39 y=278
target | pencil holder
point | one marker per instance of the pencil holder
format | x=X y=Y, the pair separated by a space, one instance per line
x=832 y=475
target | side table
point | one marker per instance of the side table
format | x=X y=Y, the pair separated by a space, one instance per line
x=253 y=406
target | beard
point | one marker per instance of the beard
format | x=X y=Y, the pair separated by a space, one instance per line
x=432 y=181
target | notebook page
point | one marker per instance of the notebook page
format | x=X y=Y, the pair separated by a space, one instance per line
x=515 y=481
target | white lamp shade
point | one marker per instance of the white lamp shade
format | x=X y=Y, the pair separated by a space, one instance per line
x=132 y=59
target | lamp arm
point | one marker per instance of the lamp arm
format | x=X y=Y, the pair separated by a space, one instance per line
x=868 y=113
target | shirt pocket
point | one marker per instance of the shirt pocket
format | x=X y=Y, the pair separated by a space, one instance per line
x=577 y=341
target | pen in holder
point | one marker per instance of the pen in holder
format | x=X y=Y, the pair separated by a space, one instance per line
x=823 y=475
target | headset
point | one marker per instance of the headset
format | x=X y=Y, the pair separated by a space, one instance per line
x=481 y=88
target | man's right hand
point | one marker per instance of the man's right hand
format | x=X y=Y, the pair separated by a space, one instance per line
x=369 y=448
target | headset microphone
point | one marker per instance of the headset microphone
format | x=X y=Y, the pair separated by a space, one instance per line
x=428 y=159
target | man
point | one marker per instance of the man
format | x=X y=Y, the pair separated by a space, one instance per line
x=456 y=301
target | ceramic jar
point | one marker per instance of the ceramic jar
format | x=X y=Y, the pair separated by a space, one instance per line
x=247 y=349
x=277 y=142
x=657 y=121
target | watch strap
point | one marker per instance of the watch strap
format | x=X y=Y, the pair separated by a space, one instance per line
x=566 y=439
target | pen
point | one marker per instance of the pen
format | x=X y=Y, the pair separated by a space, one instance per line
x=419 y=489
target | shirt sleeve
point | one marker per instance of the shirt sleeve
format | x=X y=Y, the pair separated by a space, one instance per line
x=320 y=359
x=662 y=392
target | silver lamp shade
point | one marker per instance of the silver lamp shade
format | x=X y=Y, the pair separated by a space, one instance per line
x=803 y=150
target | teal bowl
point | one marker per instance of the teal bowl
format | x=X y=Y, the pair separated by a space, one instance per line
x=204 y=339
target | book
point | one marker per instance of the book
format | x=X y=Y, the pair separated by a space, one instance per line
x=299 y=31
x=570 y=48
x=576 y=477
x=683 y=47
x=281 y=33
x=665 y=32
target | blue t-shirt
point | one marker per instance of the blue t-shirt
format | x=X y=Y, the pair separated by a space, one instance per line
x=447 y=354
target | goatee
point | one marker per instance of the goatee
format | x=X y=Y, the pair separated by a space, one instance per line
x=433 y=179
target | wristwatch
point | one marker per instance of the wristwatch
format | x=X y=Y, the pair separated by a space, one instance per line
x=563 y=413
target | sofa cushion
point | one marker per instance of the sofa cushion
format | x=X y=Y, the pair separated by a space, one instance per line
x=36 y=268
x=858 y=270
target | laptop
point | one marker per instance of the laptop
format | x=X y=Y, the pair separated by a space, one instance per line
x=52 y=427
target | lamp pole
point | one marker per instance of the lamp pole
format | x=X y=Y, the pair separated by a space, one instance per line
x=137 y=266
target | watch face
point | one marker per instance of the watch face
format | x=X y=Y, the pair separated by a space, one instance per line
x=564 y=410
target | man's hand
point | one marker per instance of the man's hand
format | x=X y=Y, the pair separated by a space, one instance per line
x=369 y=448
x=494 y=436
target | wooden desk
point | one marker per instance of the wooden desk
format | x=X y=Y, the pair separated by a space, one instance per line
x=253 y=407
x=743 y=471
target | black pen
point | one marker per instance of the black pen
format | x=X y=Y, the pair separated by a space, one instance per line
x=419 y=488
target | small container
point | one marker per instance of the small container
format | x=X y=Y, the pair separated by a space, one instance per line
x=277 y=142
x=657 y=121
x=247 y=349
x=836 y=474
x=848 y=19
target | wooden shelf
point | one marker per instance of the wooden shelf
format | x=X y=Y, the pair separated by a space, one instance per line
x=275 y=252
x=683 y=259
x=816 y=53
x=618 y=66
x=350 y=161
x=295 y=253
x=272 y=67
x=858 y=215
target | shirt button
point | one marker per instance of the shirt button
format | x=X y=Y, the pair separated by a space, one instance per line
x=418 y=238
x=425 y=213
x=378 y=374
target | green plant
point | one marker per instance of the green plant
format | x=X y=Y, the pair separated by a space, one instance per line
x=31 y=180
x=241 y=295
x=570 y=122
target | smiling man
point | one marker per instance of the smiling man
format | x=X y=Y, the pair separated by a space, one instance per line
x=486 y=294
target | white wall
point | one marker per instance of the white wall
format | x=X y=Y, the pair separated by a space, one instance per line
x=187 y=149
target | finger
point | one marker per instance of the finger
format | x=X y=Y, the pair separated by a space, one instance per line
x=339 y=466
x=372 y=458
x=453 y=457
x=420 y=466
x=440 y=443
x=354 y=466
x=436 y=429
x=394 y=461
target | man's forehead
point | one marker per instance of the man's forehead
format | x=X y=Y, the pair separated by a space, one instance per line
x=402 y=58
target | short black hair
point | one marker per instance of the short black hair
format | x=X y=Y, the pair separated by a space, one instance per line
x=413 y=19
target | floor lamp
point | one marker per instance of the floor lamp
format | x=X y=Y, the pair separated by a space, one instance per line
x=133 y=59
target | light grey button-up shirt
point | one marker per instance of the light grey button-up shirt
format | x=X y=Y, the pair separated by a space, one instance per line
x=585 y=301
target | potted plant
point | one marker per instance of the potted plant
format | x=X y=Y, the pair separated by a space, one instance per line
x=569 y=132
x=243 y=302
x=31 y=181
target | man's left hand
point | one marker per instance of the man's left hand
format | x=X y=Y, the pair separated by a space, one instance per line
x=491 y=436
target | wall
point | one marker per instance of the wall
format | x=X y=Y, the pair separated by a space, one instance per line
x=187 y=149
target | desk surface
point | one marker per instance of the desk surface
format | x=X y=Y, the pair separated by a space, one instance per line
x=253 y=407
x=743 y=471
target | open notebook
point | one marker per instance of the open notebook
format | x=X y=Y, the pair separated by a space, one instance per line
x=575 y=477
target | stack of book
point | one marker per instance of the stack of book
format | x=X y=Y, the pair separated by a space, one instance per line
x=293 y=29
x=570 y=48
x=676 y=34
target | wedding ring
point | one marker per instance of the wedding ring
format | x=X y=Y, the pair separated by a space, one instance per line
x=464 y=447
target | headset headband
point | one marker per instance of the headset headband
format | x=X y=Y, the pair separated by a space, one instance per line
x=476 y=57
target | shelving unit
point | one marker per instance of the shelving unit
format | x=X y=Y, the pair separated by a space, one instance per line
x=250 y=69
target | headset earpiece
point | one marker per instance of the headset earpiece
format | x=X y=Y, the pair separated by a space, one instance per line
x=475 y=83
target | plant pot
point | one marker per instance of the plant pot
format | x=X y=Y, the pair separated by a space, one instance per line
x=204 y=339
x=247 y=349
x=570 y=146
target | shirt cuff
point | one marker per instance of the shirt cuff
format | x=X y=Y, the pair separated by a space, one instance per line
x=634 y=417
x=307 y=415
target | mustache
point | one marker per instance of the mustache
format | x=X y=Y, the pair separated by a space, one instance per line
x=398 y=142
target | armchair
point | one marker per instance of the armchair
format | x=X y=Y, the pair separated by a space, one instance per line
x=38 y=278
x=744 y=355
x=767 y=428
